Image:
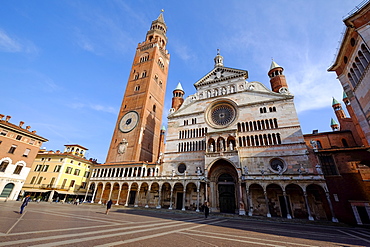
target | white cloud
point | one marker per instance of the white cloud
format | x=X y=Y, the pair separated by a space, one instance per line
x=8 y=44
x=95 y=107
x=11 y=44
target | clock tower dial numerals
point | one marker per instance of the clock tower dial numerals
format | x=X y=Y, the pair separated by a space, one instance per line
x=128 y=121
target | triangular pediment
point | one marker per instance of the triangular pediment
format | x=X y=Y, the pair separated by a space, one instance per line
x=220 y=74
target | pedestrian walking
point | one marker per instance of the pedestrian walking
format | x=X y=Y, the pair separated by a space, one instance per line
x=24 y=203
x=206 y=210
x=109 y=205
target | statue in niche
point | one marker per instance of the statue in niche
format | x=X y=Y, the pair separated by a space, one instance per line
x=318 y=169
x=314 y=144
x=211 y=149
x=122 y=146
x=221 y=145
x=173 y=173
x=231 y=146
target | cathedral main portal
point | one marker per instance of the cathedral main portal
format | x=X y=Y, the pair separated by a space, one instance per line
x=226 y=193
x=223 y=178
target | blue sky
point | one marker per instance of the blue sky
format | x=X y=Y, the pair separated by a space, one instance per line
x=64 y=64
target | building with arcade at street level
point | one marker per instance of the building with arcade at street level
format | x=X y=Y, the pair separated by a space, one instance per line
x=60 y=176
x=18 y=148
x=234 y=143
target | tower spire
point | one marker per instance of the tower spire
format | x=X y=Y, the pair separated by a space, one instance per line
x=219 y=60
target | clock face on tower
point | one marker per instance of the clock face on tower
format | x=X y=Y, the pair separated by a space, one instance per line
x=128 y=121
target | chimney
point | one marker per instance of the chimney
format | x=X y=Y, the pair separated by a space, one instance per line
x=21 y=124
x=8 y=118
x=28 y=127
x=1 y=116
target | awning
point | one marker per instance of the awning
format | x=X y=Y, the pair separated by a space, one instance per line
x=35 y=190
x=64 y=192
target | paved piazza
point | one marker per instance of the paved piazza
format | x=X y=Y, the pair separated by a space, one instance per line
x=45 y=224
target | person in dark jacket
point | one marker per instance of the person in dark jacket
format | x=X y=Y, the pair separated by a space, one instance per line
x=109 y=205
x=206 y=210
x=24 y=203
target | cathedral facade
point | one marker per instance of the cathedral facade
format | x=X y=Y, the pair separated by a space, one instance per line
x=234 y=144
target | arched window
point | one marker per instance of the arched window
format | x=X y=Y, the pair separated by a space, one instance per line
x=365 y=51
x=4 y=164
x=7 y=190
x=319 y=146
x=344 y=142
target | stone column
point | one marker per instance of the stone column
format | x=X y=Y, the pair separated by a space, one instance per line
x=183 y=199
x=128 y=195
x=206 y=191
x=137 y=197
x=51 y=196
x=213 y=197
x=119 y=193
x=110 y=192
x=198 y=185
x=250 y=205
x=267 y=204
x=159 y=198
x=102 y=192
x=147 y=198
x=171 y=198
x=333 y=218
x=286 y=206
x=307 y=206
x=94 y=193
x=241 y=203
x=87 y=191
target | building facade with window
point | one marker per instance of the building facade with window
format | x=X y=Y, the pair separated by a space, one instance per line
x=344 y=159
x=57 y=175
x=352 y=67
x=18 y=149
x=234 y=144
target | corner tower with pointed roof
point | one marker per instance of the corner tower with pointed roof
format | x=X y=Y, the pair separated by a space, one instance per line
x=137 y=134
x=277 y=78
x=178 y=97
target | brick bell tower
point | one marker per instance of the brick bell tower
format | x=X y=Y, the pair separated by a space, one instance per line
x=136 y=136
x=277 y=78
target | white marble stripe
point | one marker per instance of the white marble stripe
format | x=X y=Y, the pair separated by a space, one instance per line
x=349 y=234
x=361 y=233
x=74 y=235
x=208 y=234
x=241 y=241
x=74 y=241
x=19 y=219
x=146 y=237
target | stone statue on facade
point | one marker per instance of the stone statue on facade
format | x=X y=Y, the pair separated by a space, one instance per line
x=245 y=170
x=318 y=169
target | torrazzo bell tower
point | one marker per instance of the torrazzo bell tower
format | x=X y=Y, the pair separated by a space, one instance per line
x=136 y=135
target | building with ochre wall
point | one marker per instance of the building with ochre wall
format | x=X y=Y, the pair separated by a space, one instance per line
x=57 y=175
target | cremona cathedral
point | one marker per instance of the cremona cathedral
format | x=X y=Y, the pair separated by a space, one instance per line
x=234 y=143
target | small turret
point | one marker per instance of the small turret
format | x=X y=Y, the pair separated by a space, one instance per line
x=334 y=125
x=178 y=97
x=277 y=78
x=219 y=60
x=338 y=110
